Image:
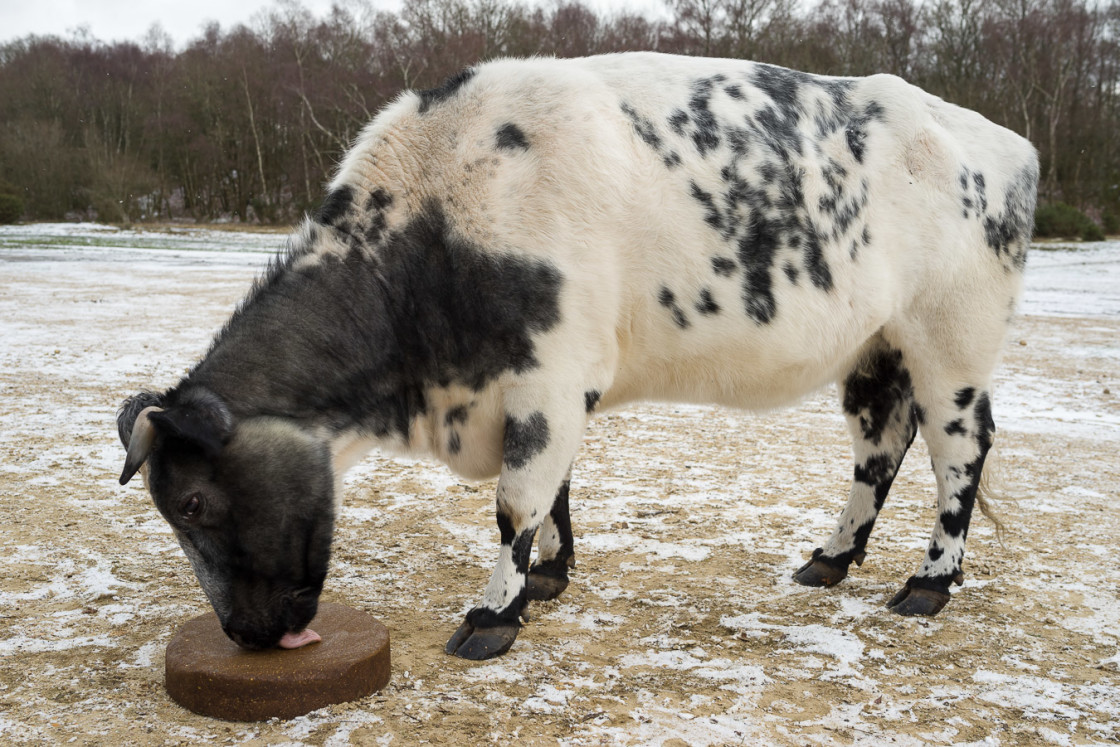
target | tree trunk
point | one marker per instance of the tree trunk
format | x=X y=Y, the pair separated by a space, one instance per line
x=256 y=138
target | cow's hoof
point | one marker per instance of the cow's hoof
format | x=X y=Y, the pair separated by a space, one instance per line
x=542 y=587
x=477 y=644
x=912 y=601
x=819 y=573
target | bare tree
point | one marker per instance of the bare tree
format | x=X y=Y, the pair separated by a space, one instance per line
x=255 y=117
x=702 y=20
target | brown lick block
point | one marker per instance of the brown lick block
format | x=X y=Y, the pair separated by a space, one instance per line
x=209 y=674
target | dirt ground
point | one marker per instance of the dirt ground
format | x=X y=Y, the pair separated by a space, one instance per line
x=682 y=624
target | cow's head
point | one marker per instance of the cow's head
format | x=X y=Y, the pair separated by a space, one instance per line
x=250 y=501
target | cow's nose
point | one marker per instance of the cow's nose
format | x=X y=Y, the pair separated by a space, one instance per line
x=247 y=639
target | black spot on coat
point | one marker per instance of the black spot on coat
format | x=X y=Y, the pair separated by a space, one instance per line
x=878 y=471
x=985 y=425
x=510 y=137
x=1008 y=232
x=666 y=298
x=856 y=132
x=815 y=263
x=705 y=135
x=707 y=305
x=643 y=127
x=712 y=214
x=956 y=428
x=336 y=204
x=783 y=87
x=647 y=131
x=873 y=391
x=964 y=397
x=677 y=120
x=757 y=250
x=506 y=532
x=857 y=142
x=724 y=266
x=378 y=200
x=456 y=415
x=981 y=191
x=524 y=439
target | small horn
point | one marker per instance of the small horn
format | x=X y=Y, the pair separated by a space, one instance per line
x=140 y=443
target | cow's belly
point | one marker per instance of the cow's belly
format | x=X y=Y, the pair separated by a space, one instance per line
x=726 y=380
x=730 y=359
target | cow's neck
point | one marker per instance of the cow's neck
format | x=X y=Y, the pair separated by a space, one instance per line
x=315 y=342
x=352 y=338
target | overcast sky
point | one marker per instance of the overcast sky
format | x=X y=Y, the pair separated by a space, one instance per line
x=114 y=20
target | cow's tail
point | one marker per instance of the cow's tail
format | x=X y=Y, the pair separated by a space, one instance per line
x=991 y=488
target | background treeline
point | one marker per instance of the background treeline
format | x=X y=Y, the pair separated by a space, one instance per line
x=247 y=123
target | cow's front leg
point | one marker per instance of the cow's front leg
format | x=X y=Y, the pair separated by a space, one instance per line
x=538 y=448
x=492 y=627
x=548 y=577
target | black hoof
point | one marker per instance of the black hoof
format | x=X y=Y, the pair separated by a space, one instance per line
x=819 y=573
x=542 y=587
x=477 y=644
x=914 y=601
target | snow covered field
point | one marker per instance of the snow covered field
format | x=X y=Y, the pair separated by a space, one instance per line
x=681 y=626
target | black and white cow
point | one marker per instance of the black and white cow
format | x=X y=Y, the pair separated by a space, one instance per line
x=533 y=241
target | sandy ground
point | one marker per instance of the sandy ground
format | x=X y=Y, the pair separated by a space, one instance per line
x=681 y=626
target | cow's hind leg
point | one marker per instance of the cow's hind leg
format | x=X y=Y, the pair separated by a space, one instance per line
x=548 y=577
x=951 y=340
x=958 y=429
x=878 y=401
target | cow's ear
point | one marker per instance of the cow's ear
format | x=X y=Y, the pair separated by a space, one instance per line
x=134 y=427
x=199 y=417
x=130 y=409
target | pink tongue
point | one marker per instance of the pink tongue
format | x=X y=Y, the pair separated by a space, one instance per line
x=302 y=638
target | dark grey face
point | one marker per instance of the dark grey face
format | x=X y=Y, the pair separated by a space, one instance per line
x=252 y=509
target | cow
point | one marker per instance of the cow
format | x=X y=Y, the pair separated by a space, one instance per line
x=534 y=241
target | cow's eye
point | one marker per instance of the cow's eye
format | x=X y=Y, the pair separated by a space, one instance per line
x=191 y=505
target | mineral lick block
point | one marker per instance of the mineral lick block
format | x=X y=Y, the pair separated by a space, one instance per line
x=209 y=674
